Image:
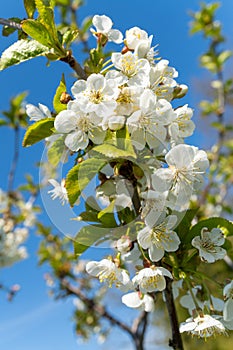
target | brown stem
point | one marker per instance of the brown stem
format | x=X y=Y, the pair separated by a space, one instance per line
x=10 y=23
x=74 y=65
x=14 y=163
x=176 y=341
x=139 y=327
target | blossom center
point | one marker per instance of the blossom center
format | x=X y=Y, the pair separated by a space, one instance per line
x=129 y=66
x=96 y=96
x=83 y=124
x=107 y=275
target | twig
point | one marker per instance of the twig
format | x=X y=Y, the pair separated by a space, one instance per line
x=139 y=328
x=176 y=341
x=67 y=59
x=14 y=163
x=10 y=23
x=99 y=309
x=74 y=65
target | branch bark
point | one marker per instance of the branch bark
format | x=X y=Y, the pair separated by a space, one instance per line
x=74 y=65
x=10 y=23
x=176 y=341
x=136 y=332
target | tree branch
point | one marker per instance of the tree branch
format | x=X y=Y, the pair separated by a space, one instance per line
x=139 y=329
x=176 y=341
x=74 y=65
x=99 y=309
x=10 y=23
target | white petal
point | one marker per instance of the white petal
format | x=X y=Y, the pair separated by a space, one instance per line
x=65 y=121
x=116 y=36
x=102 y=23
x=76 y=140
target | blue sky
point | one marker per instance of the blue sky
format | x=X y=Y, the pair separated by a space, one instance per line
x=33 y=320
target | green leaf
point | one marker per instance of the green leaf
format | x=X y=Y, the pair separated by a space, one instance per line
x=185 y=220
x=46 y=17
x=224 y=224
x=57 y=105
x=223 y=57
x=111 y=151
x=87 y=236
x=107 y=217
x=69 y=36
x=21 y=51
x=30 y=7
x=80 y=176
x=38 y=131
x=38 y=32
x=3 y=122
x=116 y=145
x=88 y=216
x=56 y=151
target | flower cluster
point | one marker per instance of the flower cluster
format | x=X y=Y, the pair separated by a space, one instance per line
x=132 y=95
x=15 y=220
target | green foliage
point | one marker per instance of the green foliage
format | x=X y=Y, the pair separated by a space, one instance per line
x=117 y=145
x=30 y=7
x=56 y=151
x=38 y=131
x=38 y=32
x=16 y=116
x=86 y=237
x=57 y=105
x=80 y=175
x=21 y=51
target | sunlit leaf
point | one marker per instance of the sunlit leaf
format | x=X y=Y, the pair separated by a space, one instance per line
x=21 y=51
x=38 y=131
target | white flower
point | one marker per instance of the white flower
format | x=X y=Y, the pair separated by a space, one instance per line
x=209 y=245
x=228 y=306
x=115 y=122
x=27 y=212
x=96 y=94
x=143 y=124
x=137 y=300
x=59 y=190
x=79 y=126
x=187 y=301
x=3 y=201
x=159 y=238
x=186 y=166
x=11 y=250
x=103 y=25
x=108 y=272
x=135 y=36
x=161 y=80
x=128 y=99
x=181 y=126
x=36 y=113
x=134 y=71
x=203 y=326
x=151 y=279
x=154 y=205
x=124 y=244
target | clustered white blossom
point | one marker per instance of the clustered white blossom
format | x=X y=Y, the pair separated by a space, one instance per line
x=13 y=232
x=136 y=92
